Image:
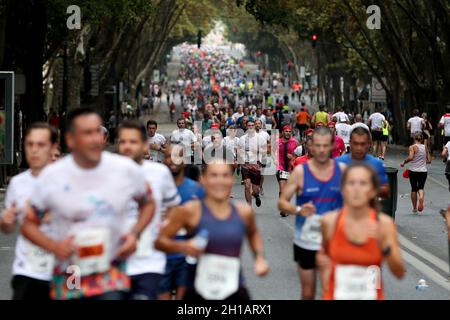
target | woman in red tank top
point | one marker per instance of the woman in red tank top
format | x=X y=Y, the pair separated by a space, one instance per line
x=357 y=239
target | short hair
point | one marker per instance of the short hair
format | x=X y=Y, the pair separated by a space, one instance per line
x=45 y=126
x=321 y=107
x=152 y=122
x=323 y=131
x=360 y=131
x=416 y=112
x=76 y=113
x=136 y=125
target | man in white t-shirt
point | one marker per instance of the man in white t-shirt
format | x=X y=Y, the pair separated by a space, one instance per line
x=341 y=116
x=376 y=127
x=343 y=130
x=156 y=142
x=32 y=266
x=238 y=114
x=415 y=124
x=262 y=133
x=184 y=137
x=446 y=156
x=444 y=123
x=147 y=265
x=88 y=194
x=252 y=147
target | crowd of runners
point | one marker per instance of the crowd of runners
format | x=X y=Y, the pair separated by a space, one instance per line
x=157 y=219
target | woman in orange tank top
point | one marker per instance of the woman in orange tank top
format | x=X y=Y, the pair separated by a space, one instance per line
x=357 y=239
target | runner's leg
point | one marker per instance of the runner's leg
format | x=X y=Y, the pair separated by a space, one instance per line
x=308 y=283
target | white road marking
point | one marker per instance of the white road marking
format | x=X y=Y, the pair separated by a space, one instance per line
x=441 y=264
x=426 y=270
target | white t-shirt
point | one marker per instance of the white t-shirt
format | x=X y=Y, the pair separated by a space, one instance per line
x=376 y=120
x=183 y=136
x=341 y=116
x=147 y=259
x=252 y=148
x=30 y=260
x=237 y=115
x=264 y=135
x=84 y=202
x=359 y=125
x=344 y=130
x=262 y=118
x=445 y=120
x=231 y=143
x=160 y=140
x=206 y=141
x=415 y=125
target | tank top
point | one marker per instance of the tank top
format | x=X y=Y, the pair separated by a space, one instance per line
x=346 y=254
x=326 y=196
x=419 y=162
x=321 y=116
x=225 y=236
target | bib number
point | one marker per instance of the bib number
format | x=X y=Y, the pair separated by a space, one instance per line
x=217 y=277
x=93 y=247
x=268 y=127
x=41 y=261
x=311 y=231
x=356 y=282
x=284 y=175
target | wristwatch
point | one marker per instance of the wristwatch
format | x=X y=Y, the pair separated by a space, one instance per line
x=386 y=251
x=298 y=210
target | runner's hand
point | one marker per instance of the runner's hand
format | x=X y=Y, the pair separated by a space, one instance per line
x=308 y=209
x=190 y=249
x=261 y=267
x=64 y=249
x=10 y=215
x=373 y=229
x=128 y=246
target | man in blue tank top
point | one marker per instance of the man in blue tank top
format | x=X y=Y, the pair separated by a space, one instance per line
x=317 y=185
x=176 y=273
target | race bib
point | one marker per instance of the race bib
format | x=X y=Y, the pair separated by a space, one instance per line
x=217 y=277
x=40 y=260
x=311 y=231
x=93 y=247
x=356 y=282
x=284 y=175
x=268 y=127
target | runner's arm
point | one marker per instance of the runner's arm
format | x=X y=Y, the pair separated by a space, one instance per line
x=391 y=246
x=30 y=230
x=254 y=239
x=177 y=219
x=445 y=152
x=293 y=185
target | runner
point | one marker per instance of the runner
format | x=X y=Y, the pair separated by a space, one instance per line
x=415 y=124
x=376 y=125
x=317 y=186
x=186 y=138
x=340 y=115
x=359 y=148
x=359 y=123
x=444 y=124
x=302 y=122
x=156 y=142
x=175 y=277
x=147 y=265
x=385 y=130
x=308 y=152
x=286 y=147
x=446 y=156
x=320 y=116
x=32 y=266
x=343 y=130
x=339 y=144
x=264 y=158
x=217 y=275
x=419 y=158
x=87 y=194
x=357 y=239
x=251 y=148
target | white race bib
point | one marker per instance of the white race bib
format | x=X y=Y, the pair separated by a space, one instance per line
x=268 y=127
x=311 y=231
x=284 y=175
x=93 y=250
x=355 y=282
x=217 y=277
x=40 y=260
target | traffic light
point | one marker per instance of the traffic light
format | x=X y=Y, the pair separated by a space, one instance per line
x=199 y=39
x=314 y=40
